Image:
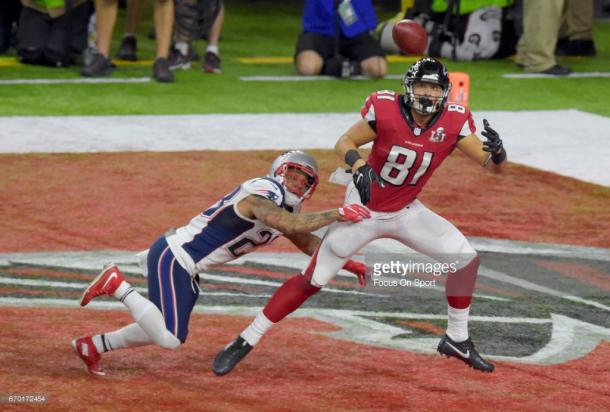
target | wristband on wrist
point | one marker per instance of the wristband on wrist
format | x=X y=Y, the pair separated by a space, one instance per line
x=352 y=157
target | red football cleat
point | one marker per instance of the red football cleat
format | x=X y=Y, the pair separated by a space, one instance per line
x=106 y=283
x=86 y=351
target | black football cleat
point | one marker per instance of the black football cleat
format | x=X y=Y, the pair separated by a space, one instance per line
x=465 y=352
x=230 y=356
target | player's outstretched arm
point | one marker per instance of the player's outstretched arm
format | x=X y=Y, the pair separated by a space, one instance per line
x=273 y=216
x=490 y=153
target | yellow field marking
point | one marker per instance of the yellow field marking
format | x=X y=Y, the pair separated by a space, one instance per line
x=287 y=60
x=13 y=62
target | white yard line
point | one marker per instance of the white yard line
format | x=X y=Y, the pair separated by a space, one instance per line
x=577 y=75
x=567 y=142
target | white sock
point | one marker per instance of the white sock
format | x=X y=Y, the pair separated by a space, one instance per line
x=457 y=323
x=255 y=331
x=130 y=336
x=213 y=49
x=123 y=288
x=126 y=34
x=182 y=47
x=148 y=316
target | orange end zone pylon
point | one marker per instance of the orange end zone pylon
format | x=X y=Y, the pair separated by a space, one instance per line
x=460 y=89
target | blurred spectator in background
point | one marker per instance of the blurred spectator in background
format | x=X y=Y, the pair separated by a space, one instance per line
x=336 y=41
x=9 y=14
x=576 y=31
x=542 y=22
x=211 y=58
x=129 y=44
x=52 y=33
x=465 y=30
x=197 y=19
x=106 y=13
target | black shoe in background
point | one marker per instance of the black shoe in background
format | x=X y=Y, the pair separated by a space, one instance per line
x=585 y=48
x=99 y=66
x=161 y=71
x=211 y=63
x=557 y=70
x=129 y=48
x=177 y=60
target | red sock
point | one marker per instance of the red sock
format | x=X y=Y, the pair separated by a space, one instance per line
x=289 y=297
x=460 y=285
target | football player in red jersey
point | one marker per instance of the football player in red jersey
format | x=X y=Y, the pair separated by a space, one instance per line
x=412 y=134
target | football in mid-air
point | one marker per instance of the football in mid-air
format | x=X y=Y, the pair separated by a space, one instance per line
x=410 y=37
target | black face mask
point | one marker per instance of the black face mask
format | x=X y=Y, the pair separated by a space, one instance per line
x=425 y=102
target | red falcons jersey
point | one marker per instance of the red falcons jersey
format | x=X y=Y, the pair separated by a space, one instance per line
x=403 y=154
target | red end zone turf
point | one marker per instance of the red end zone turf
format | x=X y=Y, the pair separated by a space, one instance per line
x=306 y=374
x=126 y=200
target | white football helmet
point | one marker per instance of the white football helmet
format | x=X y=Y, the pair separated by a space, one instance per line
x=301 y=161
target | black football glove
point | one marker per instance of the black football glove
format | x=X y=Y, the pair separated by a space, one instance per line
x=493 y=144
x=363 y=178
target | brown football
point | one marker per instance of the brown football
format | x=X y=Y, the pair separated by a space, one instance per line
x=410 y=37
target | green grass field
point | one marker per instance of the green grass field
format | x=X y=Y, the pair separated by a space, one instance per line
x=261 y=28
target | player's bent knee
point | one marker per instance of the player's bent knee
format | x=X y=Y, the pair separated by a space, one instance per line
x=340 y=250
x=169 y=341
x=467 y=254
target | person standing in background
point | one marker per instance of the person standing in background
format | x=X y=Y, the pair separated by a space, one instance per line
x=106 y=13
x=197 y=19
x=544 y=21
x=336 y=41
x=576 y=32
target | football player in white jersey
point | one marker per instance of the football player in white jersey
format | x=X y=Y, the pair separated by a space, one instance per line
x=411 y=134
x=254 y=214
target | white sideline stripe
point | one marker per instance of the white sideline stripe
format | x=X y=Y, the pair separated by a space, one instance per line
x=82 y=286
x=232 y=279
x=91 y=260
x=516 y=247
x=525 y=284
x=578 y=75
x=226 y=279
x=253 y=310
x=561 y=132
x=311 y=78
x=77 y=81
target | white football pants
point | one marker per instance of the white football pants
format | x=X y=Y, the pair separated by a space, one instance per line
x=415 y=226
